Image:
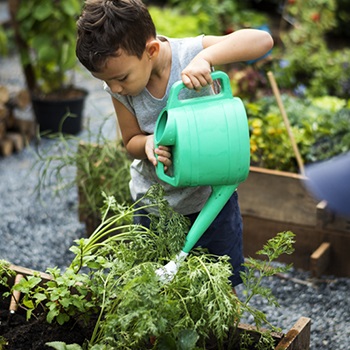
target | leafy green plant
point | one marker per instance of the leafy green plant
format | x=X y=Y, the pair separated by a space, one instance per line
x=320 y=127
x=100 y=166
x=112 y=279
x=172 y=23
x=307 y=61
x=48 y=31
x=3 y=41
x=218 y=17
x=5 y=274
x=3 y=342
x=248 y=82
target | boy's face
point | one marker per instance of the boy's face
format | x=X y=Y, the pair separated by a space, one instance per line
x=126 y=75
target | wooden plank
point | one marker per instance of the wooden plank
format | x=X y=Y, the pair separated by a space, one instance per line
x=28 y=272
x=4 y=94
x=256 y=231
x=320 y=259
x=4 y=112
x=27 y=128
x=19 y=98
x=15 y=295
x=278 y=196
x=298 y=337
x=2 y=129
x=6 y=147
x=17 y=140
x=327 y=220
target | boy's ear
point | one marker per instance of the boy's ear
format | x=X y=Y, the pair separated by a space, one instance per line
x=152 y=48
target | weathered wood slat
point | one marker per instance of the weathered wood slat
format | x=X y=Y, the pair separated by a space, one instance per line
x=6 y=147
x=257 y=231
x=320 y=259
x=278 y=196
x=29 y=272
x=298 y=337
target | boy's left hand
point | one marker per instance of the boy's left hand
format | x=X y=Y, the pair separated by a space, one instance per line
x=164 y=156
x=197 y=74
x=163 y=153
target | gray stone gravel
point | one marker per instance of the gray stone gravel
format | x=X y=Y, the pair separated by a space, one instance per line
x=37 y=234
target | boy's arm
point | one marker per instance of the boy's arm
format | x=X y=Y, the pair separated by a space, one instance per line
x=138 y=144
x=242 y=45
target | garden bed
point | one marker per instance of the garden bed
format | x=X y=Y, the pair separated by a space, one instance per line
x=22 y=334
x=274 y=201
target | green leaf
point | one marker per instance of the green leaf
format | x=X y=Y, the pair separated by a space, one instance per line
x=39 y=297
x=65 y=302
x=51 y=315
x=62 y=318
x=29 y=314
x=46 y=52
x=43 y=11
x=28 y=303
x=68 y=56
x=71 y=8
x=58 y=345
x=24 y=11
x=187 y=339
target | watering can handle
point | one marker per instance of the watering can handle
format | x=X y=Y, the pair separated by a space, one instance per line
x=163 y=175
x=225 y=92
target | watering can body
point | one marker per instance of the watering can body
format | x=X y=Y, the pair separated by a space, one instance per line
x=208 y=135
x=209 y=140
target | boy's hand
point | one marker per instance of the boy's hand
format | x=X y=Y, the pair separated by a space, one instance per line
x=197 y=74
x=163 y=153
x=164 y=156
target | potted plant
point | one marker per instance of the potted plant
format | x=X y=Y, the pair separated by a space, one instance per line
x=46 y=35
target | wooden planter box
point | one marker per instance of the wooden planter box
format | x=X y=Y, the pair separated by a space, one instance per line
x=275 y=201
x=297 y=338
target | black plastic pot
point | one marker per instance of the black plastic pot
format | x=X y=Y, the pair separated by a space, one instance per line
x=56 y=115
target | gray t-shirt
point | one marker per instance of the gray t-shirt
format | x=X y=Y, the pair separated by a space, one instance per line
x=146 y=108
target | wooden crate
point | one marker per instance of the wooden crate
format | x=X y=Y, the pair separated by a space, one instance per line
x=274 y=201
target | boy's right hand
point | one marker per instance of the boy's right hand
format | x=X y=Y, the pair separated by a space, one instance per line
x=197 y=74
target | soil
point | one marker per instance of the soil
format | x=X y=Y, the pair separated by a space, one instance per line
x=20 y=334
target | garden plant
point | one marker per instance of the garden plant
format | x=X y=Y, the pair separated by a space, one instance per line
x=99 y=165
x=112 y=283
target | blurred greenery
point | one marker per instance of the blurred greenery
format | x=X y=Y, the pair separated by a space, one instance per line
x=48 y=29
x=320 y=126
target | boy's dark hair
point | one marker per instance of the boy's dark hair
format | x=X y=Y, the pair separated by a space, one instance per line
x=105 y=26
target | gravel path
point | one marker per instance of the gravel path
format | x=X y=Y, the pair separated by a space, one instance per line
x=37 y=234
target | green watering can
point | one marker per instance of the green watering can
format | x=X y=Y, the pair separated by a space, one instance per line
x=209 y=138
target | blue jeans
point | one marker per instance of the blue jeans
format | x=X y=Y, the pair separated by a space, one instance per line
x=223 y=237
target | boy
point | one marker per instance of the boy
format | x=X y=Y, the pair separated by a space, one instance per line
x=118 y=44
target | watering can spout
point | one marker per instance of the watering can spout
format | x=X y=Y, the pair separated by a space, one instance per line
x=216 y=201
